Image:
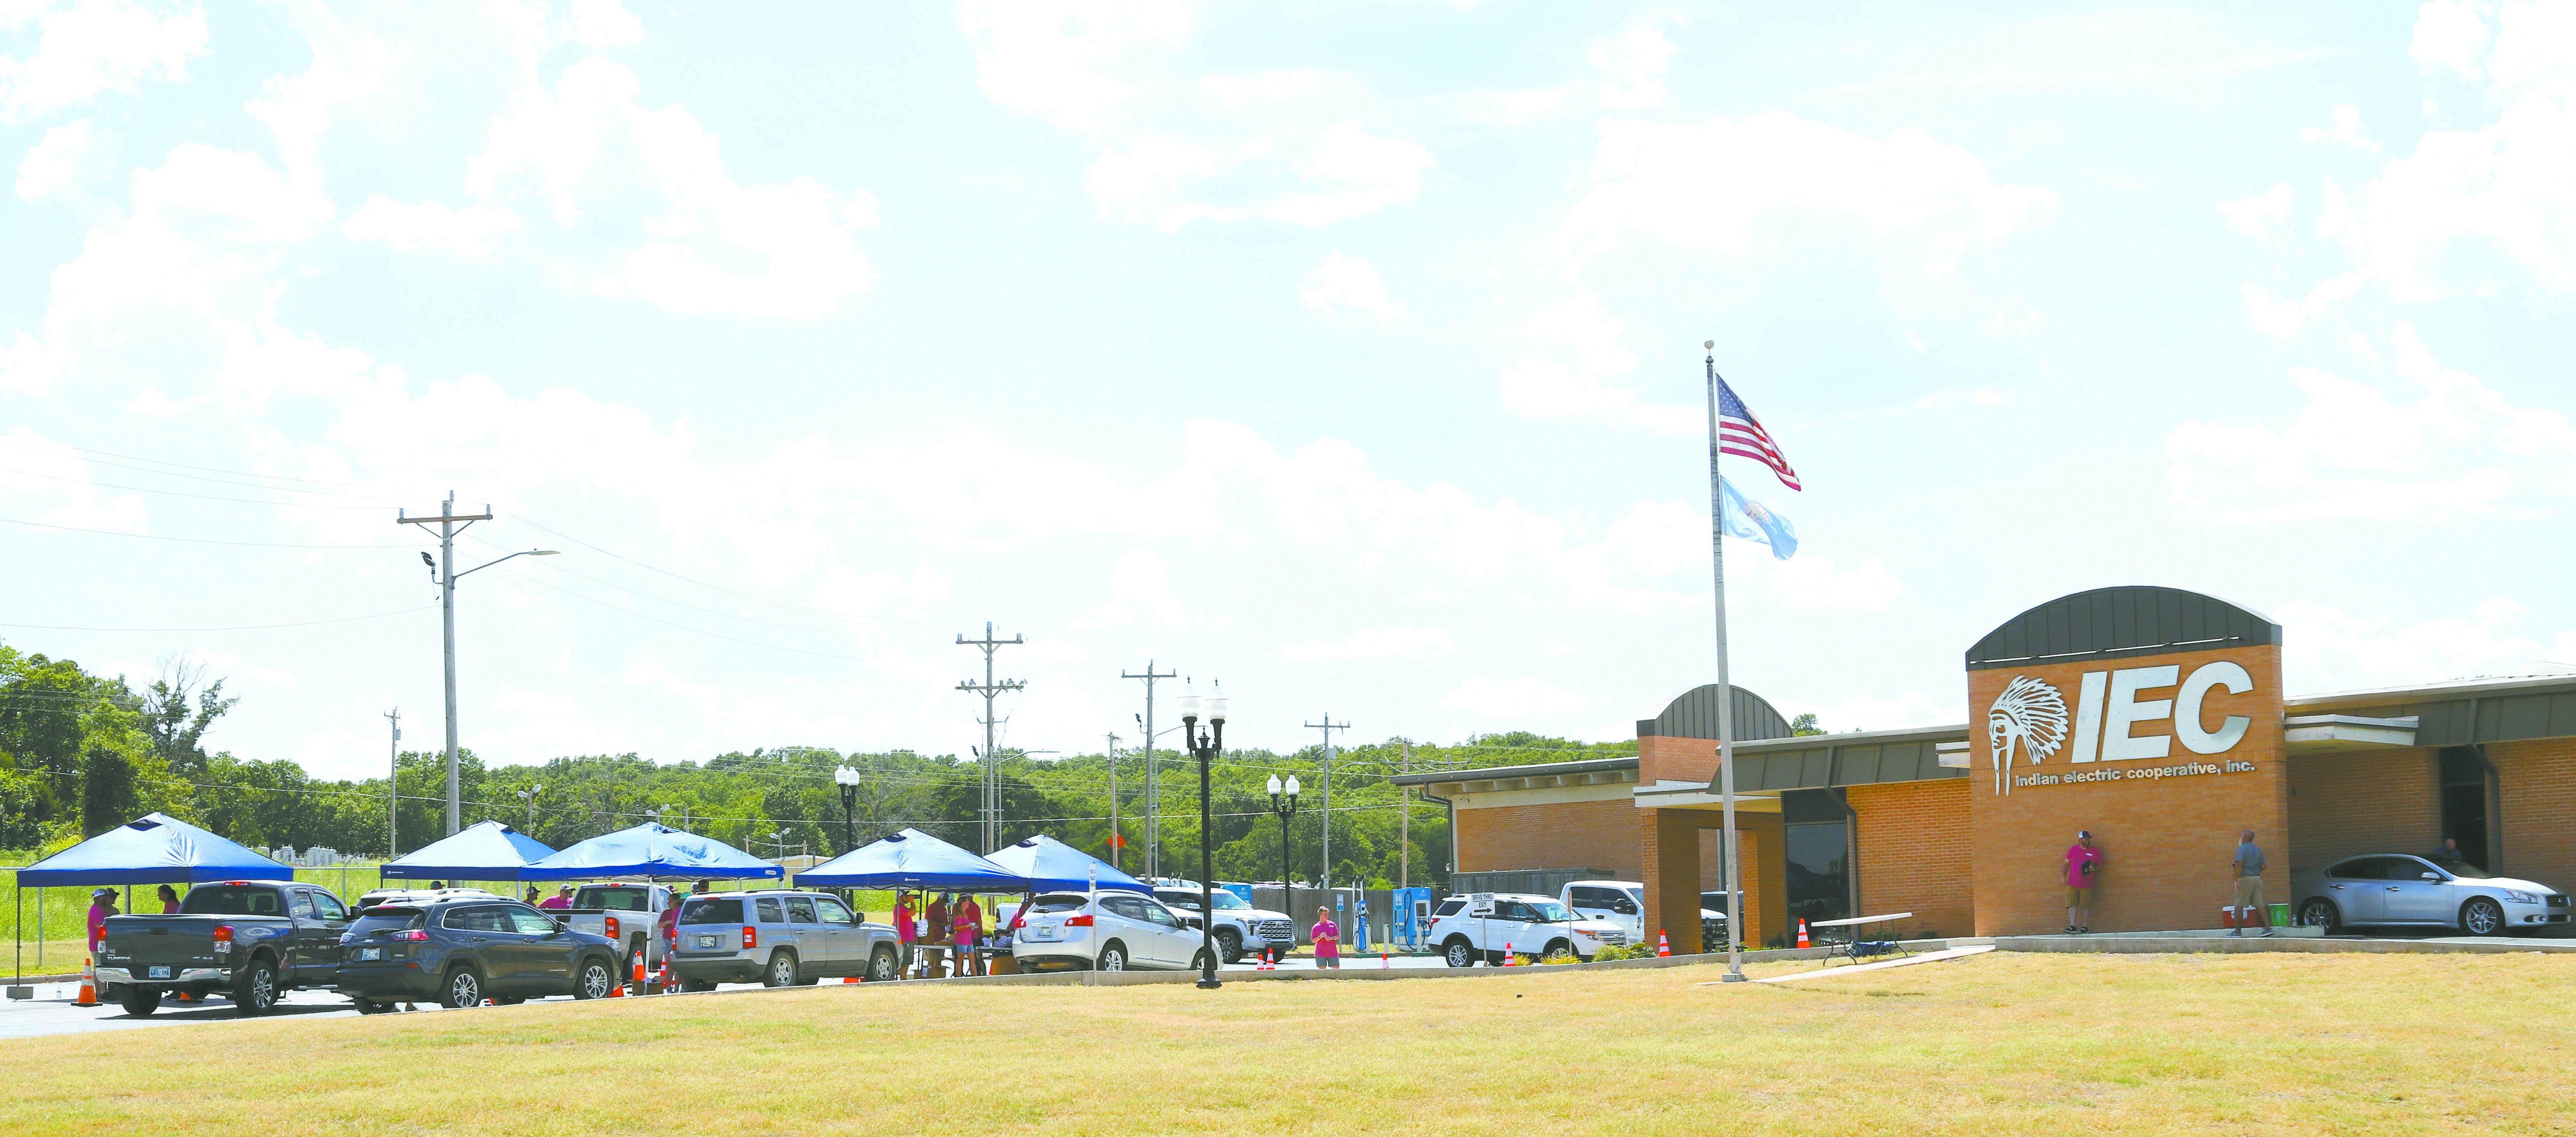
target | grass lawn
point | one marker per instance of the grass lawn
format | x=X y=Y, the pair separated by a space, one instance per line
x=1992 y=1045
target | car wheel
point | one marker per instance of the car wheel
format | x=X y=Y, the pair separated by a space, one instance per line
x=141 y=1001
x=782 y=969
x=1558 y=951
x=881 y=966
x=463 y=989
x=595 y=980
x=1113 y=957
x=2481 y=917
x=2320 y=912
x=256 y=991
x=1459 y=953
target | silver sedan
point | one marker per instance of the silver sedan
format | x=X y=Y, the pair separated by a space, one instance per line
x=2397 y=889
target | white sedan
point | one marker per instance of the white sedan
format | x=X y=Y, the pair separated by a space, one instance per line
x=2397 y=889
x=1104 y=931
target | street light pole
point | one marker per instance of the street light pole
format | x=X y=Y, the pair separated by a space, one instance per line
x=444 y=571
x=530 y=796
x=1287 y=812
x=1205 y=747
x=849 y=782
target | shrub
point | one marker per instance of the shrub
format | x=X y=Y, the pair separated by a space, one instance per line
x=1615 y=951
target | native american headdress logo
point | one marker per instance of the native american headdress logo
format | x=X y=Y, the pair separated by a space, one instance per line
x=2031 y=712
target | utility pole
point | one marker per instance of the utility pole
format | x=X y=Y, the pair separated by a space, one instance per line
x=989 y=818
x=393 y=785
x=1153 y=779
x=1404 y=828
x=1114 y=842
x=444 y=570
x=1328 y=726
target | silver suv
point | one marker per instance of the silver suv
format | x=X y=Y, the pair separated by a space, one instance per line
x=779 y=937
x=1240 y=927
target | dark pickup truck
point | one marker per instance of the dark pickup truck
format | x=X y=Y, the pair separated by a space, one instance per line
x=248 y=940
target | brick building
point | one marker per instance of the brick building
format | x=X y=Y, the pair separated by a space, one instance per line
x=2152 y=717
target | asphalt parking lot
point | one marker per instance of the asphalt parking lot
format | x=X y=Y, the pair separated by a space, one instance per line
x=51 y=1011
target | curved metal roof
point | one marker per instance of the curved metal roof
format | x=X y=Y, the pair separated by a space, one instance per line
x=1693 y=714
x=2116 y=623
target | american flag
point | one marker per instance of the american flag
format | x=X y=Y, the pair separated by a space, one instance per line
x=1740 y=434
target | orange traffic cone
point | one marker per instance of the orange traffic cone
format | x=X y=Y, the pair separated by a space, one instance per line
x=1382 y=964
x=1663 y=943
x=1802 y=932
x=89 y=983
x=1509 y=958
x=846 y=980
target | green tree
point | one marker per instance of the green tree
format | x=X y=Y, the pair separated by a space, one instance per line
x=1804 y=725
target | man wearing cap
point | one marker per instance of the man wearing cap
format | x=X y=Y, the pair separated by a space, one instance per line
x=561 y=900
x=102 y=904
x=2083 y=867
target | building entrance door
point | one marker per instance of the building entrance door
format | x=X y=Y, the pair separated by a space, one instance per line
x=2467 y=787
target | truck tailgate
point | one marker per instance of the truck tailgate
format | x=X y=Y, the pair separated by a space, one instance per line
x=169 y=941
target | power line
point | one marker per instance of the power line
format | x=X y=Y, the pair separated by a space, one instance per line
x=196 y=540
x=21 y=443
x=688 y=580
x=240 y=628
x=176 y=493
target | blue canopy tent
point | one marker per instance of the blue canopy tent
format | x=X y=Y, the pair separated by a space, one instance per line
x=1049 y=865
x=650 y=850
x=485 y=850
x=912 y=859
x=155 y=848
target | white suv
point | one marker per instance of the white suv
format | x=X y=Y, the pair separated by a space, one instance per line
x=1485 y=925
x=1104 y=931
x=1240 y=927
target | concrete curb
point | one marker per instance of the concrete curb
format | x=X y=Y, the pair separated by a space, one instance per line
x=2185 y=945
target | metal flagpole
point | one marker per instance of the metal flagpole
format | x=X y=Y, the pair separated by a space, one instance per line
x=1725 y=696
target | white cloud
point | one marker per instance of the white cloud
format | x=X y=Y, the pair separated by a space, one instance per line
x=1057 y=58
x=50 y=480
x=1140 y=588
x=2356 y=451
x=2450 y=34
x=1632 y=69
x=429 y=225
x=1359 y=172
x=1148 y=182
x=797 y=237
x=1345 y=281
x=1705 y=187
x=2346 y=132
x=53 y=166
x=87 y=47
x=2261 y=215
x=1576 y=355
x=2344 y=650
x=1514 y=699
x=1372 y=643
x=1869 y=712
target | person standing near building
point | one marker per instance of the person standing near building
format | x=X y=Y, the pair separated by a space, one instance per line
x=562 y=899
x=966 y=928
x=904 y=931
x=2083 y=868
x=2249 y=885
x=169 y=900
x=1328 y=941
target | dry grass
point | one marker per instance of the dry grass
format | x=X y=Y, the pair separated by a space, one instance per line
x=1994 y=1045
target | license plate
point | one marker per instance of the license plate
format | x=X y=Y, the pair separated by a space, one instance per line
x=1042 y=934
x=706 y=941
x=156 y=973
x=371 y=953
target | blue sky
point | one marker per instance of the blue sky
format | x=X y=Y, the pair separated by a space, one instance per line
x=1346 y=352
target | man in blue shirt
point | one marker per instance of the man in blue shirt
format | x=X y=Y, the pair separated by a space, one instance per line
x=2248 y=866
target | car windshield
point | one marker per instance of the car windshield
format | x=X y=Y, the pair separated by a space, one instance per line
x=1057 y=902
x=1552 y=912
x=620 y=897
x=381 y=920
x=2461 y=869
x=231 y=900
x=711 y=910
x=1226 y=901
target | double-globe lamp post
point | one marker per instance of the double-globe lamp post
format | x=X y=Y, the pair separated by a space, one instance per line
x=849 y=782
x=1286 y=809
x=1205 y=746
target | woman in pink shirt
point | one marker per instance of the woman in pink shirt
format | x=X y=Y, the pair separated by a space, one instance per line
x=1328 y=940
x=2083 y=867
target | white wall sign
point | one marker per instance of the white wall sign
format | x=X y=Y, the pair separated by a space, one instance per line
x=2031 y=714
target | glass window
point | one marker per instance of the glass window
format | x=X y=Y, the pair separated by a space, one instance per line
x=711 y=910
x=1450 y=907
x=1226 y=900
x=1158 y=914
x=1131 y=907
x=1819 y=856
x=1514 y=910
x=769 y=910
x=2358 y=868
x=800 y=910
x=328 y=906
x=530 y=922
x=1054 y=902
x=1590 y=897
x=477 y=918
x=615 y=897
x=832 y=911
x=384 y=920
x=299 y=904
x=2461 y=869
x=1553 y=912
x=231 y=900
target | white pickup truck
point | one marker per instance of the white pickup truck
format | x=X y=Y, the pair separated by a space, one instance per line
x=1485 y=925
x=628 y=914
x=1623 y=902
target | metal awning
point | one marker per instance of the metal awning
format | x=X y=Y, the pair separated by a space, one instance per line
x=2338 y=734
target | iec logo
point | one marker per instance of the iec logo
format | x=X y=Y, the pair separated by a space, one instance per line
x=2031 y=714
